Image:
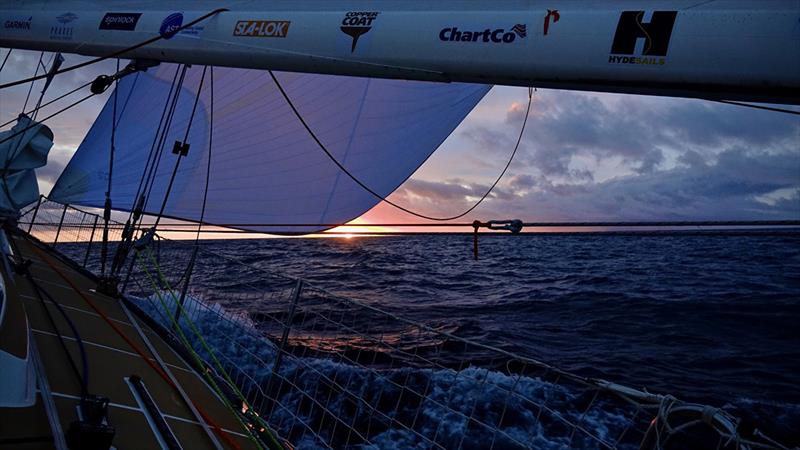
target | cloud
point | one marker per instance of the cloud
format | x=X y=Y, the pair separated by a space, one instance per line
x=732 y=187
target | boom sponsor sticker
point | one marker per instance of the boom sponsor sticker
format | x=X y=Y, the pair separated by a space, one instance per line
x=488 y=35
x=18 y=23
x=64 y=26
x=262 y=28
x=356 y=24
x=120 y=21
x=654 y=34
x=170 y=25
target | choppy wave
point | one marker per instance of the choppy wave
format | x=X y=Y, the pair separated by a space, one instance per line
x=346 y=406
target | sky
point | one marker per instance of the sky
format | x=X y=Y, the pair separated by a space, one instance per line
x=583 y=157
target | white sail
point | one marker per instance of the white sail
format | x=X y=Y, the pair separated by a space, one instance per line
x=265 y=167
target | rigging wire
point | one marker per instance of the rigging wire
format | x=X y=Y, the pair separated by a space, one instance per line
x=107 y=206
x=153 y=171
x=117 y=53
x=48 y=103
x=33 y=81
x=66 y=108
x=383 y=198
x=6 y=59
x=753 y=106
x=208 y=168
x=180 y=154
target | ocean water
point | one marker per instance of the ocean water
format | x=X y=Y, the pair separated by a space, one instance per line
x=711 y=318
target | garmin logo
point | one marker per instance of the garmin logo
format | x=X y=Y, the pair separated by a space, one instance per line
x=120 y=21
x=18 y=24
x=496 y=36
x=262 y=28
x=655 y=34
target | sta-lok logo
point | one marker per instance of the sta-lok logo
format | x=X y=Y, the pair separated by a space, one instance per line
x=262 y=28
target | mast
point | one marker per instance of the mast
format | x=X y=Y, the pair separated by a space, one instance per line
x=724 y=49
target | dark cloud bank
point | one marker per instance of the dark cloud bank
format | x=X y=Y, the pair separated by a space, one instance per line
x=669 y=160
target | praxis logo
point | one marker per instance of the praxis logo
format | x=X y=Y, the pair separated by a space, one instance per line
x=170 y=25
x=496 y=35
x=66 y=18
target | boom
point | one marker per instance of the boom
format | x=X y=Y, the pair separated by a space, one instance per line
x=723 y=49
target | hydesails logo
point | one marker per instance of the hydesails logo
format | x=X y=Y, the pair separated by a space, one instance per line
x=656 y=35
x=497 y=35
x=170 y=25
x=356 y=24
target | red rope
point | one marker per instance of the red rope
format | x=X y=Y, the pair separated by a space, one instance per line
x=222 y=433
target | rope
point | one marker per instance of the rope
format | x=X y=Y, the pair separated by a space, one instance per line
x=32 y=125
x=765 y=108
x=224 y=435
x=201 y=339
x=208 y=168
x=383 y=198
x=116 y=53
x=153 y=171
x=180 y=153
x=6 y=59
x=48 y=103
x=107 y=206
x=195 y=356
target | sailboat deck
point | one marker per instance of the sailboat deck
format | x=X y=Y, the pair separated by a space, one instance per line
x=111 y=360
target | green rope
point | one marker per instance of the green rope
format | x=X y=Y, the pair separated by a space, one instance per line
x=196 y=357
x=273 y=440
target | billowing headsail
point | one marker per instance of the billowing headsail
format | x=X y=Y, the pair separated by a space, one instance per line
x=265 y=167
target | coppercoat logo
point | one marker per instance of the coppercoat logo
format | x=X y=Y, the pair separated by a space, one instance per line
x=356 y=24
x=120 y=21
x=496 y=35
x=262 y=28
x=656 y=35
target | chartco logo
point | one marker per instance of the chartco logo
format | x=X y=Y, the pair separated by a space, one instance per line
x=23 y=23
x=120 y=21
x=356 y=24
x=262 y=28
x=656 y=35
x=496 y=35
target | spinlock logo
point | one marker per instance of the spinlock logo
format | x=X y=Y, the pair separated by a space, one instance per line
x=262 y=28
x=169 y=26
x=120 y=21
x=356 y=24
x=497 y=35
x=656 y=35
x=18 y=24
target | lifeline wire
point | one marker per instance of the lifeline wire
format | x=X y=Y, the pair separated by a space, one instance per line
x=383 y=198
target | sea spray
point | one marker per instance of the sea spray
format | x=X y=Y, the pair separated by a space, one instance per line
x=320 y=402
